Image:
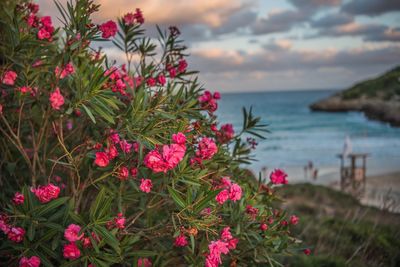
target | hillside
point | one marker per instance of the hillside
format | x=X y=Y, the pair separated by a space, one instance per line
x=339 y=230
x=378 y=98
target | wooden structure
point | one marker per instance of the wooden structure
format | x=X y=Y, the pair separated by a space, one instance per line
x=353 y=176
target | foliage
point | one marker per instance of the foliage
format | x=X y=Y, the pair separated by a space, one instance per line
x=130 y=156
x=345 y=233
x=385 y=87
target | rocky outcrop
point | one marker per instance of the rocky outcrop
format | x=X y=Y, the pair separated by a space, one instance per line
x=376 y=109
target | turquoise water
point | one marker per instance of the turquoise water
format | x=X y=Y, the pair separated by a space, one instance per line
x=299 y=135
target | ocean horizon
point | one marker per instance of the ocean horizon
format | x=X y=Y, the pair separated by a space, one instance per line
x=299 y=136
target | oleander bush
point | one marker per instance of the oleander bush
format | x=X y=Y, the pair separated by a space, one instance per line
x=123 y=165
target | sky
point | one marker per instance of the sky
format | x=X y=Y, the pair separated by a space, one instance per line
x=269 y=45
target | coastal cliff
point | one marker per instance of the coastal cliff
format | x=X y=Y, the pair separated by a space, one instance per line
x=378 y=98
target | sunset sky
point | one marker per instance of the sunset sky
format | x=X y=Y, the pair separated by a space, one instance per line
x=273 y=44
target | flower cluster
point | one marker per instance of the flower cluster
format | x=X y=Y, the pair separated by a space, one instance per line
x=14 y=233
x=114 y=142
x=225 y=134
x=118 y=79
x=9 y=77
x=108 y=29
x=33 y=261
x=169 y=157
x=56 y=99
x=46 y=193
x=132 y=18
x=118 y=222
x=230 y=191
x=68 y=69
x=278 y=176
x=208 y=101
x=219 y=247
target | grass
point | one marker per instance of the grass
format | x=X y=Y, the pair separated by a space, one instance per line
x=339 y=230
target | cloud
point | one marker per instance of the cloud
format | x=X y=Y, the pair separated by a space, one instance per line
x=332 y=20
x=369 y=32
x=179 y=12
x=371 y=7
x=279 y=21
x=288 y=68
x=285 y=58
x=314 y=4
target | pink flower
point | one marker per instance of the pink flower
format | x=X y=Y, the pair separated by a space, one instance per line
x=161 y=79
x=179 y=138
x=32 y=20
x=216 y=248
x=226 y=133
x=222 y=196
x=115 y=137
x=154 y=160
x=56 y=99
x=207 y=148
x=208 y=101
x=67 y=70
x=144 y=262
x=253 y=212
x=133 y=172
x=172 y=73
x=25 y=89
x=102 y=159
x=108 y=29
x=278 y=177
x=226 y=182
x=9 y=77
x=71 y=251
x=46 y=21
x=4 y=226
x=34 y=8
x=46 y=193
x=146 y=185
x=129 y=18
x=151 y=81
x=263 y=227
x=235 y=192
x=181 y=241
x=169 y=159
x=43 y=33
x=217 y=95
x=71 y=233
x=125 y=146
x=112 y=152
x=294 y=219
x=123 y=173
x=18 y=198
x=120 y=221
x=226 y=234
x=182 y=65
x=307 y=251
x=16 y=234
x=86 y=243
x=139 y=16
x=233 y=243
x=29 y=262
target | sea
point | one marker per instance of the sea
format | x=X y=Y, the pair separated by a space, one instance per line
x=299 y=136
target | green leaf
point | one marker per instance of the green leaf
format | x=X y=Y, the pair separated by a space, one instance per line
x=175 y=196
x=49 y=207
x=205 y=201
x=90 y=114
x=109 y=238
